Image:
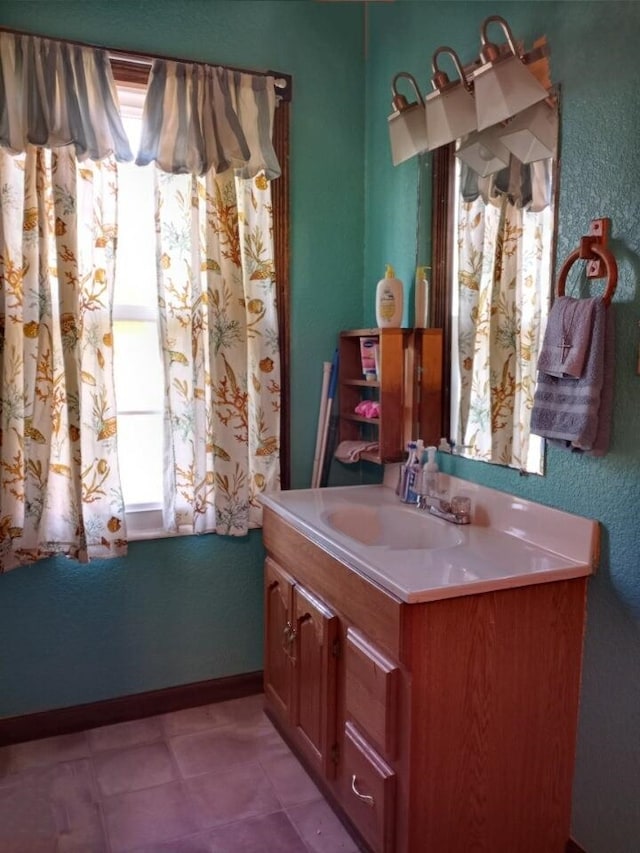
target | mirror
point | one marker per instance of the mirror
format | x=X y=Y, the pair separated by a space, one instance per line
x=492 y=240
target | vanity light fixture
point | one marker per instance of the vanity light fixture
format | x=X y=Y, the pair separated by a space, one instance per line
x=503 y=85
x=532 y=135
x=450 y=108
x=407 y=126
x=496 y=88
x=484 y=152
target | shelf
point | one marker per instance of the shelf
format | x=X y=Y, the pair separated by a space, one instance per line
x=366 y=333
x=360 y=419
x=362 y=383
x=389 y=427
x=408 y=390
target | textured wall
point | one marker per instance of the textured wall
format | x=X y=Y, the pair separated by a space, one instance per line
x=174 y=612
x=594 y=51
x=183 y=610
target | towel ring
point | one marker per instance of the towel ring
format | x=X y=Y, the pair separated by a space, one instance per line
x=605 y=256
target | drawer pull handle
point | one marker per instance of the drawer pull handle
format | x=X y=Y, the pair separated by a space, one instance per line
x=364 y=798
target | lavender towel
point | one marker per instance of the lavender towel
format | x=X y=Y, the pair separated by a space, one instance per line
x=567 y=337
x=577 y=412
x=605 y=415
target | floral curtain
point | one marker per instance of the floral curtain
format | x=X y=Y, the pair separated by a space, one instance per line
x=60 y=135
x=59 y=482
x=220 y=344
x=504 y=276
x=209 y=132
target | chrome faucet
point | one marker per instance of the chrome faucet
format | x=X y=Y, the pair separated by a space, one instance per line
x=457 y=511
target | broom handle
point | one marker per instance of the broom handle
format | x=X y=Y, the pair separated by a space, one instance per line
x=327 y=414
x=326 y=376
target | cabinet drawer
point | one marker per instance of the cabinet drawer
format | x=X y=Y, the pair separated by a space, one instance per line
x=372 y=693
x=369 y=791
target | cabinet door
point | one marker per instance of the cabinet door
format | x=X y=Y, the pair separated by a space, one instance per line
x=278 y=638
x=313 y=704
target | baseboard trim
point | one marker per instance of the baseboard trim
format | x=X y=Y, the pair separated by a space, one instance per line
x=61 y=721
x=573 y=847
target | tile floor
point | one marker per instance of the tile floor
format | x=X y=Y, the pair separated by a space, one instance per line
x=213 y=779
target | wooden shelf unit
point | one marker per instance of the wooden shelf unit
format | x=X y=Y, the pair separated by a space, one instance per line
x=409 y=390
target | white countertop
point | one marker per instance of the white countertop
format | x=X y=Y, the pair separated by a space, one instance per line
x=510 y=542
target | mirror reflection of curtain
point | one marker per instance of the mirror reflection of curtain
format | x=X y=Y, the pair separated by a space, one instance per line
x=504 y=268
x=216 y=292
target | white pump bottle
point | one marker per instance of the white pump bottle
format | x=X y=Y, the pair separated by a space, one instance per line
x=430 y=484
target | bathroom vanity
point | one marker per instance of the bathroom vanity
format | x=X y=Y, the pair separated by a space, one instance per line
x=427 y=674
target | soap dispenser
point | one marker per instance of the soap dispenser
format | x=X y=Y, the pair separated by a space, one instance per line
x=421 y=303
x=430 y=485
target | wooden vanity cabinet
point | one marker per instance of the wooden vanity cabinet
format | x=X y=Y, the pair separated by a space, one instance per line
x=301 y=642
x=436 y=727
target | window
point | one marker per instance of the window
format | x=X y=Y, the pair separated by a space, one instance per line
x=138 y=359
x=137 y=356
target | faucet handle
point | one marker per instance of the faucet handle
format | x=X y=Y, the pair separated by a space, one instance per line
x=461 y=507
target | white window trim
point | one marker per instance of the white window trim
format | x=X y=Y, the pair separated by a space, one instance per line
x=144 y=521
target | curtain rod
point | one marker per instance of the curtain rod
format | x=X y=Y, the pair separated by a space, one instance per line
x=138 y=60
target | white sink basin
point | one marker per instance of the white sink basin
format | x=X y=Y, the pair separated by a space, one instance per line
x=416 y=557
x=392 y=527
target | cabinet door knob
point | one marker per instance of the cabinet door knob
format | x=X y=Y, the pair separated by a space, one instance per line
x=289 y=635
x=364 y=798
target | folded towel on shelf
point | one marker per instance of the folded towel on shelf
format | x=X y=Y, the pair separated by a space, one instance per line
x=576 y=413
x=567 y=337
x=351 y=451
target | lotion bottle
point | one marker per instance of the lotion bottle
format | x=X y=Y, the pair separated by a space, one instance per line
x=389 y=301
x=422 y=299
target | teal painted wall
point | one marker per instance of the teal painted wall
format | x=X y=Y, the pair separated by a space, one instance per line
x=181 y=610
x=594 y=55
x=173 y=612
x=177 y=611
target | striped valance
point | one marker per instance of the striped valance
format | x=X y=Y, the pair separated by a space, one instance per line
x=54 y=93
x=199 y=117
x=526 y=185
